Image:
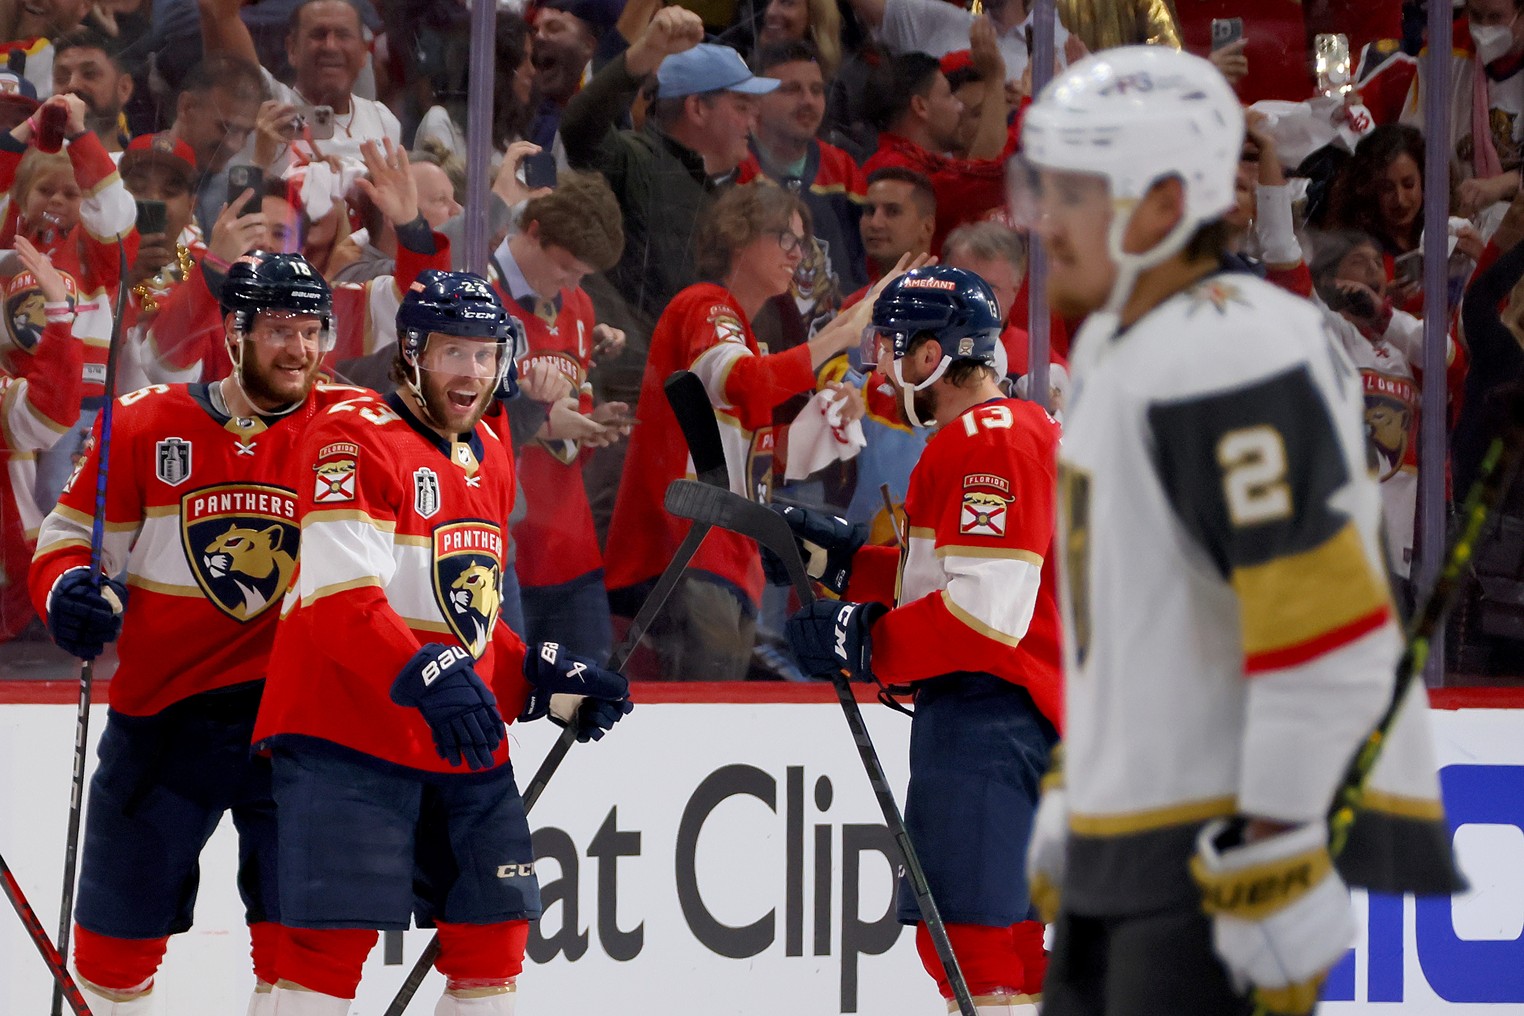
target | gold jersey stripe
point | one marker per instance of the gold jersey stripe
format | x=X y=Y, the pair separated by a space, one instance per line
x=1003 y=553
x=1129 y=822
x=977 y=625
x=164 y=587
x=1423 y=809
x=1299 y=598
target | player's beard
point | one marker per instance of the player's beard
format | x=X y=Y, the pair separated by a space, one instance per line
x=443 y=411
x=925 y=402
x=266 y=392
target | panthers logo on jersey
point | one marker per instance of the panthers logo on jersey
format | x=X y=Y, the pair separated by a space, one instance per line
x=240 y=542
x=468 y=580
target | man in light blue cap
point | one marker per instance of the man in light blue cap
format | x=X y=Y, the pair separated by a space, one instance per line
x=668 y=173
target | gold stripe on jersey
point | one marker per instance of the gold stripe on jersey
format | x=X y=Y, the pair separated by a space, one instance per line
x=340 y=587
x=922 y=532
x=977 y=625
x=1426 y=810
x=1003 y=553
x=347 y=515
x=422 y=624
x=1130 y=822
x=159 y=511
x=1299 y=600
x=414 y=541
x=166 y=588
x=81 y=519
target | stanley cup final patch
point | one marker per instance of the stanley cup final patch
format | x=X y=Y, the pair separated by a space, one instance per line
x=334 y=479
x=986 y=497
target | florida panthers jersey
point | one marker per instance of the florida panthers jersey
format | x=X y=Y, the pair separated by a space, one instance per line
x=404 y=540
x=35 y=410
x=1229 y=638
x=703 y=330
x=201 y=513
x=976 y=583
x=556 y=540
x=1391 y=375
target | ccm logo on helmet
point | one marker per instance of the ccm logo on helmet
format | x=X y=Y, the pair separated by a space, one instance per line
x=515 y=870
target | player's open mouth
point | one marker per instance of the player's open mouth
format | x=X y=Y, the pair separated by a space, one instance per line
x=462 y=399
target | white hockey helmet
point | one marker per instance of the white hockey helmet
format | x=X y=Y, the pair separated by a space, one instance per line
x=1136 y=115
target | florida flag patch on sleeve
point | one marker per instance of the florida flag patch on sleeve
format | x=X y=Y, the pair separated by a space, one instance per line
x=985 y=500
x=335 y=469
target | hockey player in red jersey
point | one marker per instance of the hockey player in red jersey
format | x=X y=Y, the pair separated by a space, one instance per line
x=1229 y=638
x=393 y=671
x=974 y=625
x=201 y=524
x=37 y=405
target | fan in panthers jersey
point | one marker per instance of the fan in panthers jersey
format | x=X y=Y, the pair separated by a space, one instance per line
x=1229 y=637
x=393 y=670
x=201 y=529
x=974 y=626
x=38 y=404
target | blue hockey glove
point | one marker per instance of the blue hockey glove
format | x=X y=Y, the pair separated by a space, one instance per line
x=441 y=683
x=831 y=635
x=826 y=542
x=573 y=689
x=83 y=618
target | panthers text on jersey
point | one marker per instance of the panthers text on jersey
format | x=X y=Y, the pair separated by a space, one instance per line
x=1229 y=635
x=404 y=538
x=201 y=512
x=703 y=330
x=975 y=584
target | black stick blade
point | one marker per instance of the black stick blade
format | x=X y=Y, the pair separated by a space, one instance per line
x=695 y=415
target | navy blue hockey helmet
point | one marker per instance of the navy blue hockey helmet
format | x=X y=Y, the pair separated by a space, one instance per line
x=260 y=281
x=956 y=306
x=465 y=305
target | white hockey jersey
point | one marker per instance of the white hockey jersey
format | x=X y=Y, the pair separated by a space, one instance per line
x=1229 y=635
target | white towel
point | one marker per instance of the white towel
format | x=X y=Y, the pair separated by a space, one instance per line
x=818 y=437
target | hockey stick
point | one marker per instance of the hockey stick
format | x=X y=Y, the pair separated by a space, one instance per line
x=726 y=510
x=709 y=465
x=1494 y=476
x=56 y=966
x=87 y=668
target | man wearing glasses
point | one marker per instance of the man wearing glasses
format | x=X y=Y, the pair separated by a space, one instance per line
x=201 y=525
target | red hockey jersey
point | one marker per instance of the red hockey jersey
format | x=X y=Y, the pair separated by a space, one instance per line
x=35 y=410
x=201 y=512
x=977 y=585
x=703 y=330
x=404 y=540
x=556 y=540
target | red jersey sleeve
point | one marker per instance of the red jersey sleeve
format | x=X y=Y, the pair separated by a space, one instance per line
x=981 y=511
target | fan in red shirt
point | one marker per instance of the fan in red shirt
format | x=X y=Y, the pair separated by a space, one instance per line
x=750 y=242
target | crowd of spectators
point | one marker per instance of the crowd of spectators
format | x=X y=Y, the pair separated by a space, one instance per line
x=731 y=180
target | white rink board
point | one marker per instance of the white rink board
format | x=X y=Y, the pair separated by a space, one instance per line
x=620 y=807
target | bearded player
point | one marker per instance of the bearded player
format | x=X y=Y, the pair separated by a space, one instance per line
x=974 y=626
x=201 y=529
x=393 y=672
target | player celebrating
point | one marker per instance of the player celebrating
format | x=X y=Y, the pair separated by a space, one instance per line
x=975 y=625
x=201 y=513
x=392 y=672
x=1228 y=634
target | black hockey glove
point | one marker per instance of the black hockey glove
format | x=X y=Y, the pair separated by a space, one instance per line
x=826 y=542
x=441 y=683
x=830 y=636
x=82 y=617
x=573 y=689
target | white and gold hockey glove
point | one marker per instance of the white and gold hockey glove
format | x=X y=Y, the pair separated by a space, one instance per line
x=1281 y=916
x=1050 y=842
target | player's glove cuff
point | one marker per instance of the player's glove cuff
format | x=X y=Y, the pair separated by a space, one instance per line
x=1280 y=913
x=832 y=636
x=83 y=617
